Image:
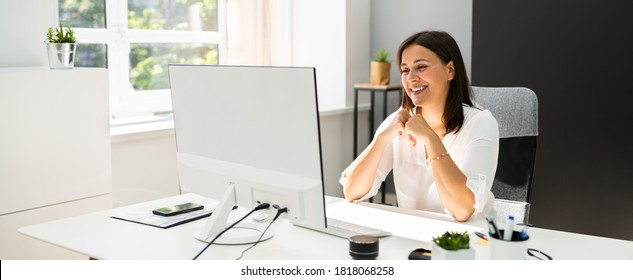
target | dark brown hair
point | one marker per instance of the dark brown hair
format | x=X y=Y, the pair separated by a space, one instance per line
x=459 y=91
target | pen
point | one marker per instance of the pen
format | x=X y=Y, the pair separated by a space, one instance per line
x=481 y=235
x=523 y=235
x=492 y=228
x=509 y=228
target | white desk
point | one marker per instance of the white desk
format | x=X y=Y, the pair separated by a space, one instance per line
x=98 y=236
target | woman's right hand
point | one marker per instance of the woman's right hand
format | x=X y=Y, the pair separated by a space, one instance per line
x=396 y=127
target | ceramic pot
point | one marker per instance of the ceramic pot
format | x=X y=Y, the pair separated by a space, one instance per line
x=439 y=253
x=61 y=55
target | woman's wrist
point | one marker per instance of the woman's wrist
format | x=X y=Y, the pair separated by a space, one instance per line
x=440 y=156
x=433 y=140
x=435 y=148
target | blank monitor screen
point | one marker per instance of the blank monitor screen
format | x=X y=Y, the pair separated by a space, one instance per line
x=247 y=119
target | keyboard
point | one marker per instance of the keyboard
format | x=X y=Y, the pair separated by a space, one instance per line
x=347 y=229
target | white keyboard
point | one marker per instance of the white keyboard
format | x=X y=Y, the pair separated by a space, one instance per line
x=347 y=230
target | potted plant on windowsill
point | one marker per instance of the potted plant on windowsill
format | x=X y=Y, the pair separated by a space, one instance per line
x=380 y=68
x=60 y=45
x=452 y=246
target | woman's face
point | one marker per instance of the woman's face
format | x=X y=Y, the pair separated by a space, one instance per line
x=425 y=78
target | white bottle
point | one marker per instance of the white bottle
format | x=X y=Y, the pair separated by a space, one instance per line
x=509 y=228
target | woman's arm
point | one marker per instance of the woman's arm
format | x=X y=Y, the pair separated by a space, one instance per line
x=479 y=158
x=450 y=181
x=359 y=177
x=458 y=199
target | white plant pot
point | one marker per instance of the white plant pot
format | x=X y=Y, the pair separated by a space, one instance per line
x=61 y=56
x=439 y=253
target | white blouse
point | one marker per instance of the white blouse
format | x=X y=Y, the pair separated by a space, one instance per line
x=474 y=149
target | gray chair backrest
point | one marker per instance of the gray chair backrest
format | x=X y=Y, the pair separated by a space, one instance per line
x=515 y=108
x=516 y=111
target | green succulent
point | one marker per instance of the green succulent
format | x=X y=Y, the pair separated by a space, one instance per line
x=61 y=35
x=453 y=241
x=381 y=55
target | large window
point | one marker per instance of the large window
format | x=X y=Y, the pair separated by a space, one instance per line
x=137 y=39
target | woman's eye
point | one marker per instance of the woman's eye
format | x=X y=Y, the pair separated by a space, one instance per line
x=421 y=67
x=405 y=70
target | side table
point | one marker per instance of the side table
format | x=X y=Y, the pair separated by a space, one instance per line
x=372 y=89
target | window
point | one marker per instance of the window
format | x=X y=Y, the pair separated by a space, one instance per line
x=136 y=39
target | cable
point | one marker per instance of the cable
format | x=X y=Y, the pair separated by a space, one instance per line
x=259 y=207
x=279 y=212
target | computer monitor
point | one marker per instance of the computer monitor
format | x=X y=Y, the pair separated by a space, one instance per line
x=249 y=134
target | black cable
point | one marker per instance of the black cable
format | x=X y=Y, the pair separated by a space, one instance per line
x=279 y=212
x=259 y=207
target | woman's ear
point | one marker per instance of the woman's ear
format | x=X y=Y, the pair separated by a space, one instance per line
x=451 y=70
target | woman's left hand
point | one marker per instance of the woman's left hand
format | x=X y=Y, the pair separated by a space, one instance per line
x=417 y=129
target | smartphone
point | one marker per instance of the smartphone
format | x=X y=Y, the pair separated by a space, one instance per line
x=177 y=209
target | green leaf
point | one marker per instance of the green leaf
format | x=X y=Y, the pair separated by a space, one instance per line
x=61 y=32
x=382 y=55
x=453 y=240
x=59 y=36
x=49 y=35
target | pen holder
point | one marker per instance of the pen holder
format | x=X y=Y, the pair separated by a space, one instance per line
x=515 y=249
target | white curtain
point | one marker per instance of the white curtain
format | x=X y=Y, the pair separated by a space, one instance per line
x=257 y=32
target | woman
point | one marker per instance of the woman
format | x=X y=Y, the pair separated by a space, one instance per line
x=443 y=150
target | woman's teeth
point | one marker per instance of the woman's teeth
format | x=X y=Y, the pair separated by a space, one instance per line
x=418 y=89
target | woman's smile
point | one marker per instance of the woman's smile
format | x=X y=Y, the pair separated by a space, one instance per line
x=416 y=93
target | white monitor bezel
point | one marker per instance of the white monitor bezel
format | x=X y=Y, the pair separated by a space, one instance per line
x=302 y=194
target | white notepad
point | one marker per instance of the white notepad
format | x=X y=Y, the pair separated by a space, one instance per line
x=150 y=219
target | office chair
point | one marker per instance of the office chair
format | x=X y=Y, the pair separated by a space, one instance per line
x=516 y=111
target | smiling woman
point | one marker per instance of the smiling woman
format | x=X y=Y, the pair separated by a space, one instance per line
x=441 y=149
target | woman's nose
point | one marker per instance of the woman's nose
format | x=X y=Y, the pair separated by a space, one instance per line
x=411 y=76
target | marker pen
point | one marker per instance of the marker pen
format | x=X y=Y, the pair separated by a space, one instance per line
x=492 y=228
x=524 y=235
x=509 y=228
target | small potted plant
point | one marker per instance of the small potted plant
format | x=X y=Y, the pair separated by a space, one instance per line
x=452 y=246
x=380 y=68
x=60 y=44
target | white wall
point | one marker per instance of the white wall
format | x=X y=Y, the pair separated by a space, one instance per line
x=321 y=45
x=144 y=167
x=333 y=36
x=356 y=48
x=336 y=146
x=394 y=20
x=23 y=26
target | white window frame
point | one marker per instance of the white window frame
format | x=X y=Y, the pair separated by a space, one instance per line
x=124 y=100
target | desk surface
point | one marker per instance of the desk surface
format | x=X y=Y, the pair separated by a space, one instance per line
x=99 y=236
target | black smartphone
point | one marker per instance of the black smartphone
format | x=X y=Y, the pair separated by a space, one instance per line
x=177 y=209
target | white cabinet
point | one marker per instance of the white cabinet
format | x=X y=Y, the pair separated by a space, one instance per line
x=54 y=151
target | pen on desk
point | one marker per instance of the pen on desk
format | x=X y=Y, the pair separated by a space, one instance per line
x=481 y=235
x=509 y=228
x=492 y=228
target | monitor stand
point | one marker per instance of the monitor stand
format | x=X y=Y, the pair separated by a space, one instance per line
x=242 y=233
